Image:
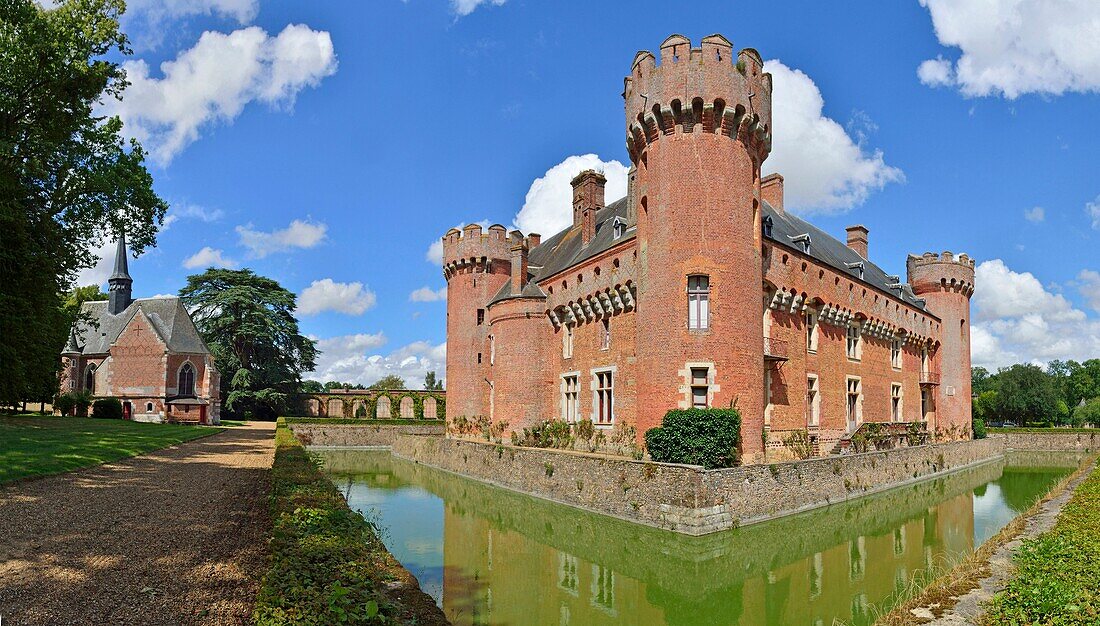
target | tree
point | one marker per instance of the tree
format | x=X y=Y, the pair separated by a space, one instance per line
x=68 y=181
x=248 y=322
x=390 y=381
x=1087 y=413
x=1083 y=383
x=311 y=386
x=980 y=380
x=431 y=383
x=1025 y=393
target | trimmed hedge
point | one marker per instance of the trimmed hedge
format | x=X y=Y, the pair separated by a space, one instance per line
x=327 y=564
x=707 y=437
x=360 y=422
x=107 y=408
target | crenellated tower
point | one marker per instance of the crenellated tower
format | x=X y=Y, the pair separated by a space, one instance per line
x=698 y=128
x=476 y=264
x=946 y=283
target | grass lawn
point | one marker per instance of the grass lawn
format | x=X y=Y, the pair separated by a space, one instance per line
x=37 y=446
x=1058 y=575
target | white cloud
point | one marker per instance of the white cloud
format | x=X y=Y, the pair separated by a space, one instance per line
x=466 y=7
x=104 y=265
x=1015 y=47
x=548 y=207
x=348 y=358
x=157 y=11
x=208 y=257
x=327 y=295
x=426 y=294
x=300 y=234
x=435 y=250
x=214 y=80
x=1017 y=320
x=824 y=170
x=1088 y=283
x=1092 y=209
x=1035 y=214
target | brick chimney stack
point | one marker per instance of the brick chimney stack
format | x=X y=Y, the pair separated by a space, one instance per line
x=588 y=197
x=857 y=239
x=771 y=190
x=519 y=262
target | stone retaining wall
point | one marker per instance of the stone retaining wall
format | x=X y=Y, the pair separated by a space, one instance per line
x=688 y=499
x=1073 y=442
x=365 y=435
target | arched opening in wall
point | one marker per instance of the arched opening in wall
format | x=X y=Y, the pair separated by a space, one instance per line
x=719 y=112
x=360 y=409
x=335 y=408
x=431 y=410
x=645 y=205
x=677 y=114
x=89 y=378
x=696 y=111
x=185 y=383
x=407 y=408
x=314 y=407
x=645 y=160
x=148 y=407
x=382 y=409
x=962 y=329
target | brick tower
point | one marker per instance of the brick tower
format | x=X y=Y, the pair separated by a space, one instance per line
x=698 y=128
x=946 y=283
x=476 y=264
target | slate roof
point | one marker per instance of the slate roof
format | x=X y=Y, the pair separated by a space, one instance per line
x=169 y=319
x=564 y=250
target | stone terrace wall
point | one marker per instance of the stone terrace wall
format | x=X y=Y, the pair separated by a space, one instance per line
x=1075 y=442
x=689 y=499
x=364 y=435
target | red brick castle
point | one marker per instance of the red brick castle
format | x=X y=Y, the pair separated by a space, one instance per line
x=699 y=289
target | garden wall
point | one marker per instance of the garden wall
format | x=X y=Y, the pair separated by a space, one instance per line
x=1055 y=441
x=688 y=499
x=360 y=435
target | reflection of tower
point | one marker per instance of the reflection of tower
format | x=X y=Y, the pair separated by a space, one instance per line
x=946 y=283
x=698 y=129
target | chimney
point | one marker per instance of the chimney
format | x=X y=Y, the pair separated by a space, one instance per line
x=857 y=239
x=771 y=191
x=519 y=262
x=533 y=240
x=588 y=197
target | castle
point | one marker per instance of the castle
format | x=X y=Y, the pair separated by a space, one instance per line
x=145 y=352
x=699 y=290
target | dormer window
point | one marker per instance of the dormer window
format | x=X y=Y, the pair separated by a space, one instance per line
x=858 y=267
x=803 y=241
x=618 y=228
x=766 y=225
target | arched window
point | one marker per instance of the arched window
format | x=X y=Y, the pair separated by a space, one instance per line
x=186 y=384
x=89 y=378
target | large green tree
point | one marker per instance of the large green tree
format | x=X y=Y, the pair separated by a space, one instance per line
x=248 y=322
x=1025 y=393
x=389 y=381
x=68 y=180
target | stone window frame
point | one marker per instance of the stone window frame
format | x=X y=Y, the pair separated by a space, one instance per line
x=810 y=321
x=594 y=388
x=605 y=334
x=897 y=349
x=813 y=406
x=89 y=375
x=194 y=378
x=853 y=338
x=696 y=297
x=567 y=339
x=769 y=407
x=576 y=376
x=492 y=349
x=686 y=383
x=897 y=400
x=859 y=401
x=149 y=408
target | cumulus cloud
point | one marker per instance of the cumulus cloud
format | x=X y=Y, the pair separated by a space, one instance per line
x=1088 y=283
x=824 y=169
x=1015 y=47
x=300 y=234
x=157 y=11
x=1035 y=214
x=104 y=265
x=548 y=207
x=1017 y=320
x=1092 y=210
x=328 y=295
x=208 y=257
x=214 y=80
x=466 y=7
x=427 y=294
x=355 y=359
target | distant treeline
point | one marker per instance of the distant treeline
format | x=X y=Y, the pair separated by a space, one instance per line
x=1065 y=393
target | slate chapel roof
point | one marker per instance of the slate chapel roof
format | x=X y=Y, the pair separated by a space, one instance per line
x=170 y=320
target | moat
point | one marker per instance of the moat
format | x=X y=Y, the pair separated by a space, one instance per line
x=492 y=556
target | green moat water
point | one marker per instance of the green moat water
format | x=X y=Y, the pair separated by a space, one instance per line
x=492 y=556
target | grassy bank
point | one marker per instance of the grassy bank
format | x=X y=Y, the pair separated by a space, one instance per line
x=363 y=421
x=1053 y=430
x=39 y=446
x=328 y=565
x=1058 y=573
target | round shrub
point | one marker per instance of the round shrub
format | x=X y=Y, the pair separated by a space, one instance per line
x=65 y=403
x=707 y=437
x=107 y=408
x=979 y=428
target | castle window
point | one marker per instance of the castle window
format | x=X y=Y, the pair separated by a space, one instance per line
x=895 y=354
x=89 y=378
x=480 y=317
x=605 y=397
x=619 y=228
x=813 y=401
x=567 y=341
x=605 y=339
x=854 y=406
x=855 y=342
x=148 y=407
x=810 y=319
x=700 y=387
x=698 y=302
x=569 y=392
x=895 y=402
x=925 y=403
x=768 y=406
x=492 y=350
x=186 y=381
x=479 y=358
x=767 y=224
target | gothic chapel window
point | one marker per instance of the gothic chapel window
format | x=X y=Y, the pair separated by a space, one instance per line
x=186 y=386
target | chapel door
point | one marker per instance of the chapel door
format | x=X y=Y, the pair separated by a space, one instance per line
x=202 y=414
x=127 y=411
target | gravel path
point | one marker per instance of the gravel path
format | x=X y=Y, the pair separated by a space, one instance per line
x=177 y=536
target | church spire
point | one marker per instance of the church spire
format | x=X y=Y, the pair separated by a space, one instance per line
x=119 y=284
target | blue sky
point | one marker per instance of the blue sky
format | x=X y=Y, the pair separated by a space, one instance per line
x=329 y=144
